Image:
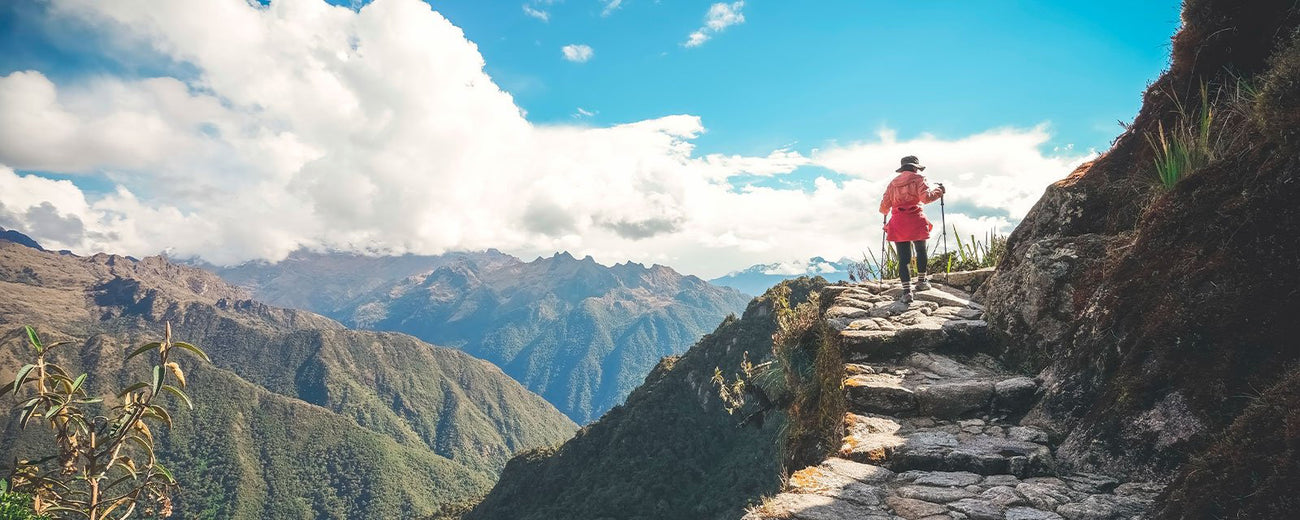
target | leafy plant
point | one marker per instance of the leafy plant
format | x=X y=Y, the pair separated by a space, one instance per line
x=17 y=506
x=771 y=379
x=1186 y=147
x=873 y=268
x=972 y=253
x=105 y=466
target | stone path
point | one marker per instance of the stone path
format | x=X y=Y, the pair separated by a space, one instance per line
x=932 y=429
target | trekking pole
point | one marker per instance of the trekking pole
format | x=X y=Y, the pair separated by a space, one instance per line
x=943 y=221
x=880 y=268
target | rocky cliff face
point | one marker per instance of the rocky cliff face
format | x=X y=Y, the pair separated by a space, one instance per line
x=1160 y=320
x=297 y=416
x=672 y=450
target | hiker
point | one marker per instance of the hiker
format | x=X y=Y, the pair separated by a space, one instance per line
x=907 y=226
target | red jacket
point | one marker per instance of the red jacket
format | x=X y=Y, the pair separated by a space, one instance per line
x=903 y=198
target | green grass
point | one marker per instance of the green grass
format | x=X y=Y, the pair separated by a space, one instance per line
x=969 y=254
x=1200 y=136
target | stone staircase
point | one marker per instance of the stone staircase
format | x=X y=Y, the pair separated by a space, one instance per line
x=932 y=428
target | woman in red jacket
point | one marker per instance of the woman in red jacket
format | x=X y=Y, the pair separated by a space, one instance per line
x=907 y=227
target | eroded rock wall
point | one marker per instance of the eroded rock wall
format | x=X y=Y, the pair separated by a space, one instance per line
x=1155 y=317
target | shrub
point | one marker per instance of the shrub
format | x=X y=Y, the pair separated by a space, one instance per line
x=105 y=465
x=17 y=506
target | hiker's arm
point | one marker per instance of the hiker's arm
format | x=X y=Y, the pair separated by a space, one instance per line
x=886 y=202
x=929 y=194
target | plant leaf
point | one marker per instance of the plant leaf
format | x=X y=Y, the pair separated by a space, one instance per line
x=54 y=410
x=26 y=415
x=76 y=385
x=22 y=376
x=144 y=348
x=193 y=349
x=160 y=413
x=178 y=393
x=163 y=469
x=132 y=388
x=33 y=339
x=157 y=379
x=176 y=371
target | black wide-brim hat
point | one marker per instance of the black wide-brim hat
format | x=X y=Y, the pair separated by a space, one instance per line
x=912 y=161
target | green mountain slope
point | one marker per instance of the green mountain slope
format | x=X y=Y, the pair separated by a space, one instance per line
x=580 y=334
x=671 y=451
x=297 y=416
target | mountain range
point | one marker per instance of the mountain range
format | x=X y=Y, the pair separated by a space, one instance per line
x=757 y=279
x=578 y=333
x=296 y=416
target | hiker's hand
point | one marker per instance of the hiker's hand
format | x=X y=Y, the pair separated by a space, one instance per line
x=942 y=189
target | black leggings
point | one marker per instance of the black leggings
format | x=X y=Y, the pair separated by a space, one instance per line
x=905 y=258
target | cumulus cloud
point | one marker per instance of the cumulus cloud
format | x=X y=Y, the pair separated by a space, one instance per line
x=720 y=16
x=998 y=173
x=297 y=130
x=577 y=53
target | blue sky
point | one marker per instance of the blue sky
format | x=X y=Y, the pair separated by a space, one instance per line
x=811 y=72
x=229 y=131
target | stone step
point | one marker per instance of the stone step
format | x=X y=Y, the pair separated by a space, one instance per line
x=983 y=454
x=927 y=334
x=971 y=445
x=913 y=392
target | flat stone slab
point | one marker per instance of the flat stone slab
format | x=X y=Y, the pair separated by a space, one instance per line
x=869 y=439
x=913 y=509
x=865 y=473
x=803 y=506
x=933 y=494
x=977 y=509
x=1029 y=513
x=879 y=393
x=981 y=454
x=954 y=399
x=947 y=478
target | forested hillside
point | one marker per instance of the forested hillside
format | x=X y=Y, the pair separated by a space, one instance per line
x=296 y=416
x=580 y=334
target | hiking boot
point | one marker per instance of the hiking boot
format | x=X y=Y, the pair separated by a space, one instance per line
x=921 y=283
x=906 y=297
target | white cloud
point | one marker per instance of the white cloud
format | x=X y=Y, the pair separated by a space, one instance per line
x=295 y=131
x=584 y=113
x=539 y=14
x=720 y=16
x=610 y=6
x=999 y=170
x=577 y=53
